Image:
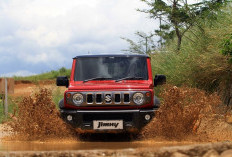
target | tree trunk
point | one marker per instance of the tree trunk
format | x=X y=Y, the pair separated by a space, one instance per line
x=175 y=23
x=179 y=36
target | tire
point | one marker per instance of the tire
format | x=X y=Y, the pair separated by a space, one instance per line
x=156 y=102
x=61 y=104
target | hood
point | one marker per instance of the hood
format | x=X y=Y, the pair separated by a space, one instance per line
x=101 y=85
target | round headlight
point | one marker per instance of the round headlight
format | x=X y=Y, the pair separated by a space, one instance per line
x=138 y=98
x=78 y=99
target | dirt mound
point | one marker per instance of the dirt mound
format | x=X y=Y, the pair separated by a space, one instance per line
x=183 y=112
x=38 y=119
x=23 y=82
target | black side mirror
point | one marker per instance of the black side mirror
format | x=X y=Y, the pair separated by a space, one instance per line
x=62 y=81
x=159 y=80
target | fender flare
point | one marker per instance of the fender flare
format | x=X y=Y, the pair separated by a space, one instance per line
x=61 y=104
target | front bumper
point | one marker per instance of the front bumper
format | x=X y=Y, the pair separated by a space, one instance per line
x=83 y=119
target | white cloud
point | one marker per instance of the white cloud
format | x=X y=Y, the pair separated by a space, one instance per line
x=18 y=73
x=51 y=32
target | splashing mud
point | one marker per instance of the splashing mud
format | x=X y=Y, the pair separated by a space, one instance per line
x=188 y=113
x=38 y=119
x=185 y=113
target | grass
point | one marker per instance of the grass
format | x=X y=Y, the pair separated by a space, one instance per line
x=45 y=76
x=57 y=95
x=12 y=107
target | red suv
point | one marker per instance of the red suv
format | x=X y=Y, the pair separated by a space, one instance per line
x=109 y=93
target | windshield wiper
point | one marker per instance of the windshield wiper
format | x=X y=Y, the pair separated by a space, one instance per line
x=98 y=78
x=129 y=78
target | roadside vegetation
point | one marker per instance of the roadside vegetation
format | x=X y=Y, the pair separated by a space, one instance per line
x=12 y=108
x=199 y=62
x=46 y=76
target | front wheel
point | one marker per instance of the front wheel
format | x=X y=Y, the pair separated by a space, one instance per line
x=156 y=102
x=61 y=104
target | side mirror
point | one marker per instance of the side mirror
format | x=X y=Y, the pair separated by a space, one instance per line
x=159 y=80
x=62 y=81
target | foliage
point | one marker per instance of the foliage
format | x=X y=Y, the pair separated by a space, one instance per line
x=179 y=16
x=227 y=47
x=12 y=107
x=46 y=76
x=57 y=95
x=199 y=64
x=144 y=45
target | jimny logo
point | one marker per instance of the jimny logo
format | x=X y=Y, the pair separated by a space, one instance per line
x=103 y=124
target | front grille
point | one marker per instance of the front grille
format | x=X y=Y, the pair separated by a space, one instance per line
x=107 y=98
x=127 y=117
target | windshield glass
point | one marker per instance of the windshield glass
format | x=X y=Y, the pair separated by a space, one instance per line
x=111 y=68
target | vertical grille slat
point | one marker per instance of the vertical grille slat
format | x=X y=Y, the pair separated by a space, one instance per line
x=98 y=98
x=90 y=98
x=117 y=98
x=126 y=98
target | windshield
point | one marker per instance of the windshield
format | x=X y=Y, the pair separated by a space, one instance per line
x=110 y=68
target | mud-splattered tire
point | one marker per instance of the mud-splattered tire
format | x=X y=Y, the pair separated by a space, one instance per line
x=156 y=102
x=61 y=104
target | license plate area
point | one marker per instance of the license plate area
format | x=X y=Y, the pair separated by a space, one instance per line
x=107 y=124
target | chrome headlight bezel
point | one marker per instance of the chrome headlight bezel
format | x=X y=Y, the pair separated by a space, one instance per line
x=78 y=99
x=138 y=98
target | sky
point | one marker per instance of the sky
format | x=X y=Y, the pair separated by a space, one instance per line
x=38 y=36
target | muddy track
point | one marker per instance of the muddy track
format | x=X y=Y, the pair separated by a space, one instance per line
x=223 y=149
x=3 y=132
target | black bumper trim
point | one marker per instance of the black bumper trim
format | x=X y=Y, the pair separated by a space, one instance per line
x=106 y=111
x=83 y=119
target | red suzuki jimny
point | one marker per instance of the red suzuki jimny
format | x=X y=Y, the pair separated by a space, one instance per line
x=110 y=92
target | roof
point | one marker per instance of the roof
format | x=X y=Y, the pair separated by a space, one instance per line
x=111 y=55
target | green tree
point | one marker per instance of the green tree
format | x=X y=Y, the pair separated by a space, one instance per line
x=144 y=45
x=179 y=16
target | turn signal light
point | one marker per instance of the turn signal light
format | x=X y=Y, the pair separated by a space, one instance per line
x=148 y=94
x=68 y=95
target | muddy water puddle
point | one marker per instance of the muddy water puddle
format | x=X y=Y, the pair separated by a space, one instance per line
x=61 y=146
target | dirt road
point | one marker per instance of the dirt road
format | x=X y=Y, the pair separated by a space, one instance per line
x=223 y=149
x=2 y=132
x=26 y=88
